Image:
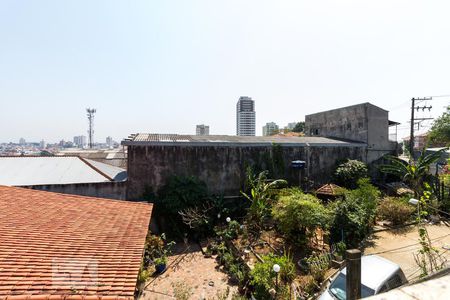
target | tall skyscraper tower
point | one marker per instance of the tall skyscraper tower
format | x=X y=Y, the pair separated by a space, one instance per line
x=245 y=116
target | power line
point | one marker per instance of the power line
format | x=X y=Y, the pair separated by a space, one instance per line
x=415 y=101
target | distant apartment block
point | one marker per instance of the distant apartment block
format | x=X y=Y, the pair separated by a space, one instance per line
x=80 y=141
x=22 y=141
x=42 y=144
x=245 y=116
x=109 y=141
x=202 y=130
x=270 y=129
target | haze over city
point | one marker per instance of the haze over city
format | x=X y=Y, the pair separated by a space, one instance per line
x=165 y=66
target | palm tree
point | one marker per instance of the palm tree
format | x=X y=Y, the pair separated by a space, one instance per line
x=414 y=173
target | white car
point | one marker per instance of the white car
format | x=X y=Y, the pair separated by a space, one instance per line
x=378 y=275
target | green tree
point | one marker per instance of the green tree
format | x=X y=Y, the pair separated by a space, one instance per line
x=440 y=132
x=414 y=173
x=299 y=127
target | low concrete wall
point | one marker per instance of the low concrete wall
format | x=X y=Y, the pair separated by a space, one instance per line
x=111 y=190
x=223 y=167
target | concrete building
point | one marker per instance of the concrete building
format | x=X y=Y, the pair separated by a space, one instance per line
x=245 y=117
x=22 y=141
x=221 y=161
x=42 y=144
x=202 y=129
x=80 y=141
x=270 y=129
x=365 y=123
x=109 y=141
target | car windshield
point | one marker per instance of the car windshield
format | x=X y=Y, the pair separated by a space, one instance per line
x=337 y=288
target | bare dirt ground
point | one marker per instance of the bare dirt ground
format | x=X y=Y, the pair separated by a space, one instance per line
x=193 y=271
x=399 y=245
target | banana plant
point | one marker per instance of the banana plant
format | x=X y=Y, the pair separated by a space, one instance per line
x=413 y=173
x=260 y=196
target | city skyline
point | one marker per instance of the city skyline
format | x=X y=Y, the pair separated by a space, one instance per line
x=146 y=66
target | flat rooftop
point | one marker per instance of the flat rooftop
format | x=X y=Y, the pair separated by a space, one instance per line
x=57 y=246
x=151 y=139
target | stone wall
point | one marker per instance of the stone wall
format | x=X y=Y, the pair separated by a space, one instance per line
x=223 y=167
x=111 y=190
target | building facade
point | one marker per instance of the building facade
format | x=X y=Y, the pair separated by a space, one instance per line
x=245 y=117
x=80 y=141
x=365 y=123
x=270 y=129
x=202 y=129
x=221 y=161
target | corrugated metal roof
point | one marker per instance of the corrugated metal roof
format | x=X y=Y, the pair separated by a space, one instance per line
x=228 y=140
x=40 y=170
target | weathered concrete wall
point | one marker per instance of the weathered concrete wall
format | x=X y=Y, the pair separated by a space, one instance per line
x=223 y=167
x=378 y=128
x=111 y=190
x=346 y=123
x=364 y=122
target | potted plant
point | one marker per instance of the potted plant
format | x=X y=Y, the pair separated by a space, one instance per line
x=338 y=254
x=341 y=247
x=160 y=264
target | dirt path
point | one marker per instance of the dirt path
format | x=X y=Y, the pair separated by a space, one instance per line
x=399 y=246
x=192 y=272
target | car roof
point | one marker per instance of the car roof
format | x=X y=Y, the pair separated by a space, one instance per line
x=375 y=270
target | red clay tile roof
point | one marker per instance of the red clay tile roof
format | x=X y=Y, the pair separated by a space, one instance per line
x=328 y=189
x=56 y=246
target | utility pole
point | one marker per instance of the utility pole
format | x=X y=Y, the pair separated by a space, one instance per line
x=414 y=107
x=90 y=115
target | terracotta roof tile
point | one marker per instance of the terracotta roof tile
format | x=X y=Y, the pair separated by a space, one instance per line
x=57 y=246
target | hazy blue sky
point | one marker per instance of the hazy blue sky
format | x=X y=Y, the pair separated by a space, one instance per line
x=165 y=66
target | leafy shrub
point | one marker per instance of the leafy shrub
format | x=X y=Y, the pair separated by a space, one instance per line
x=349 y=223
x=181 y=193
x=231 y=231
x=367 y=195
x=348 y=173
x=395 y=210
x=299 y=215
x=354 y=214
x=263 y=278
x=318 y=267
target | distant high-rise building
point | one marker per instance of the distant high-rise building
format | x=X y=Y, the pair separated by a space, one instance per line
x=42 y=145
x=22 y=141
x=245 y=116
x=270 y=129
x=202 y=130
x=80 y=141
x=109 y=141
